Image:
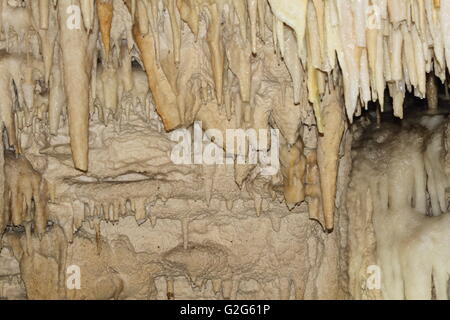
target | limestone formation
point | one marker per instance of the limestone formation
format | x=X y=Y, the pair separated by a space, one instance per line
x=224 y=149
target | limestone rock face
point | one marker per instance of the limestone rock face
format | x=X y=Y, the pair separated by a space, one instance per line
x=397 y=205
x=222 y=149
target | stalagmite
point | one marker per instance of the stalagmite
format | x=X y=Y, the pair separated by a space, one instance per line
x=432 y=93
x=404 y=236
x=108 y=85
x=436 y=179
x=170 y=289
x=258 y=200
x=328 y=154
x=208 y=182
x=125 y=71
x=78 y=214
x=140 y=211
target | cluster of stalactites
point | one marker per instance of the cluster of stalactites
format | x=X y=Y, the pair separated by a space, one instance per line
x=378 y=44
x=169 y=35
x=205 y=60
x=25 y=196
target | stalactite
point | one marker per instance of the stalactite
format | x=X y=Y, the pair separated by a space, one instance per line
x=57 y=97
x=216 y=49
x=176 y=33
x=77 y=62
x=25 y=190
x=328 y=153
x=105 y=15
x=43 y=13
x=312 y=189
x=88 y=12
x=445 y=26
x=3 y=212
x=163 y=95
x=293 y=167
x=294 y=15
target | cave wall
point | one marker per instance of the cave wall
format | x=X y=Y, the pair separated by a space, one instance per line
x=398 y=218
x=94 y=92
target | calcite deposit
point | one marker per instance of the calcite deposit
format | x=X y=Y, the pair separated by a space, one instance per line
x=224 y=149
